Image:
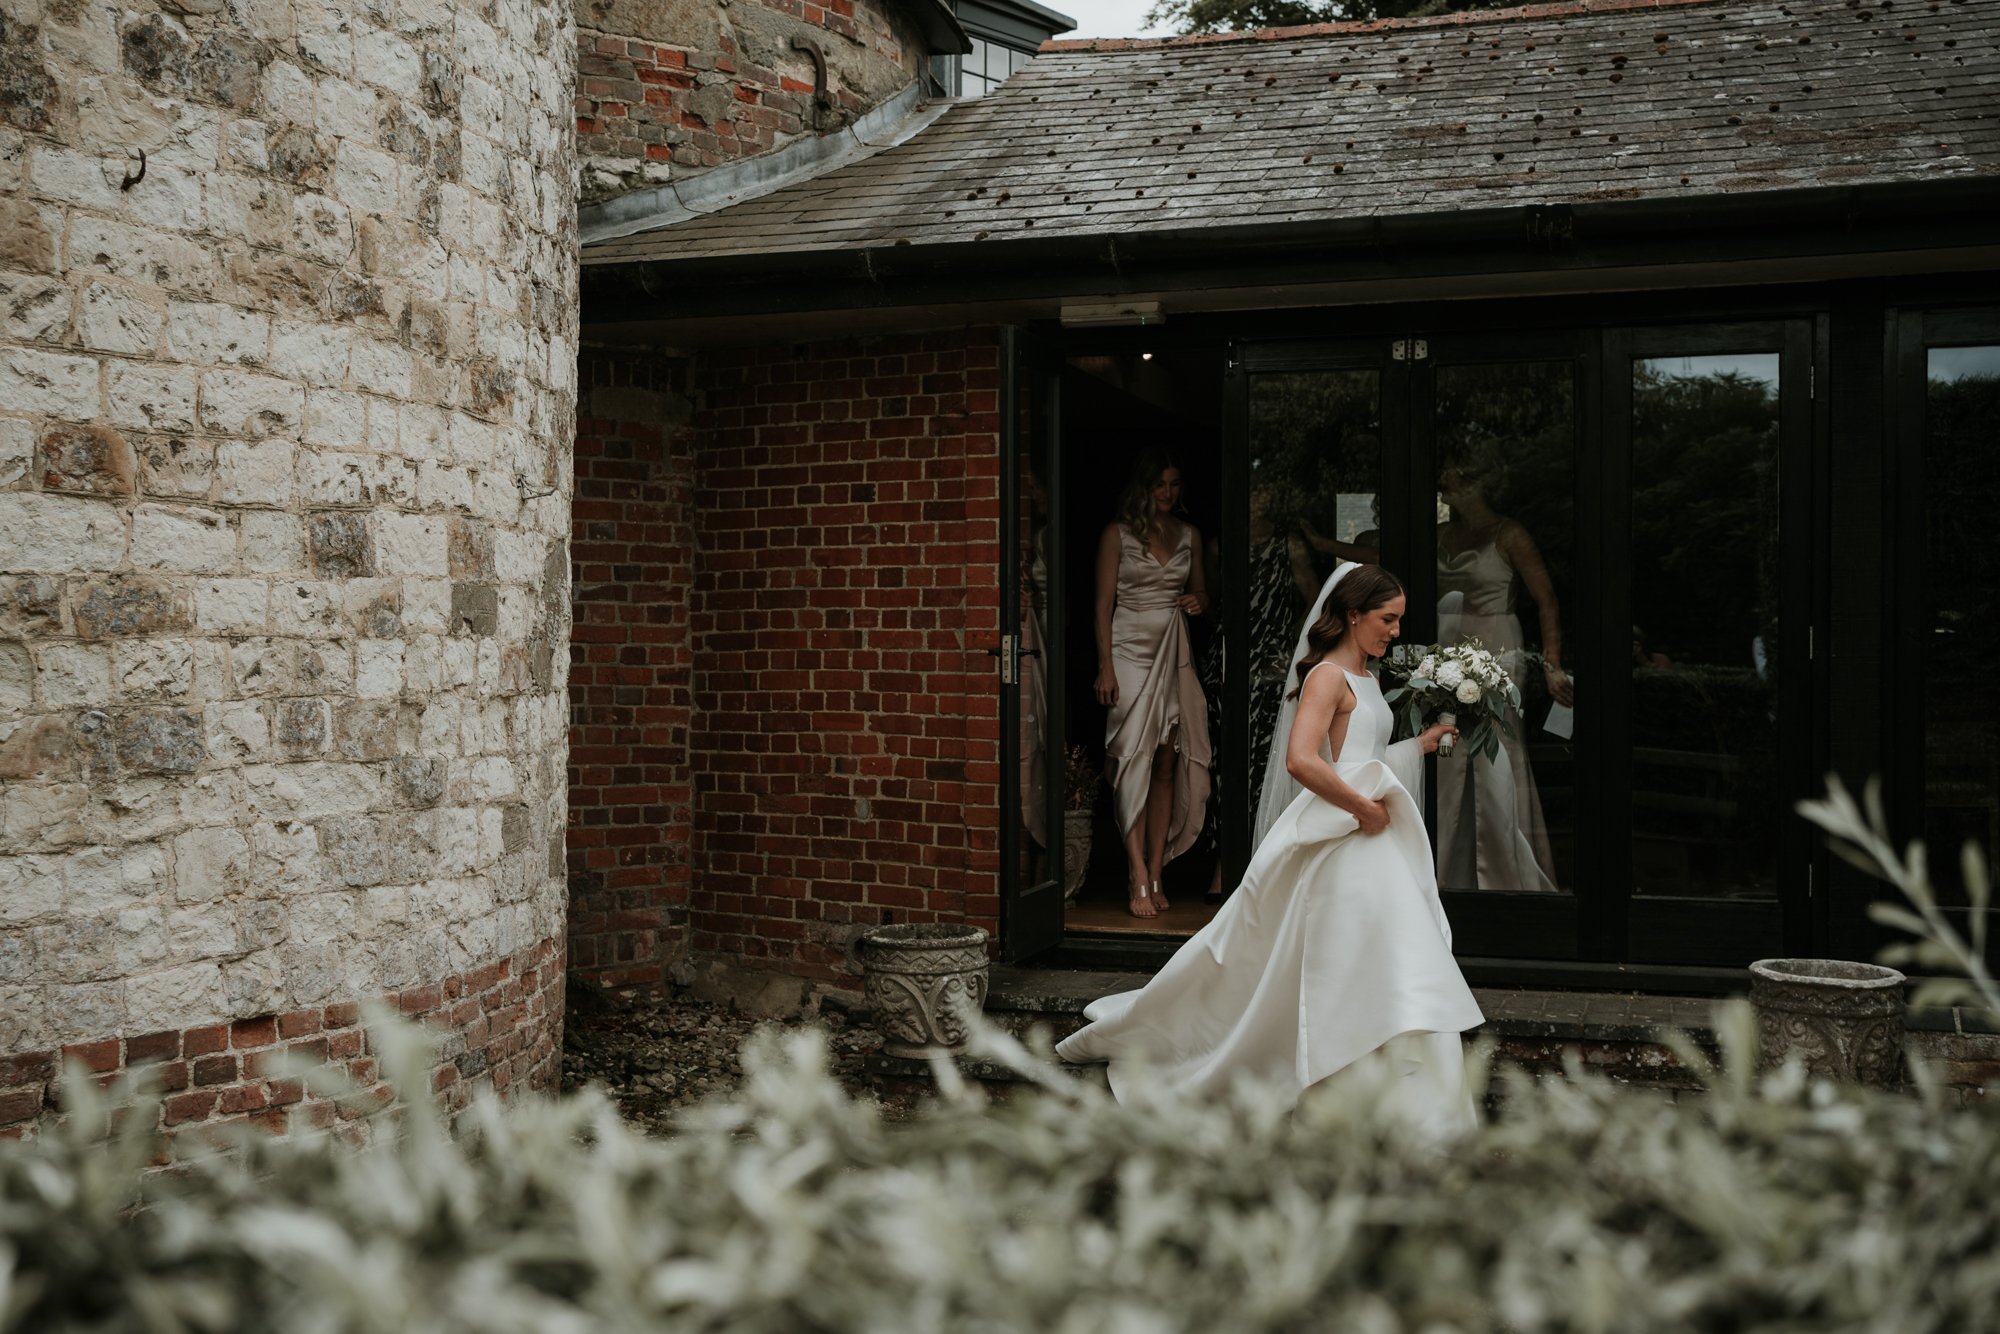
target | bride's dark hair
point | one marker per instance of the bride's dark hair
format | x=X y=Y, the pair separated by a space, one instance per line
x=1362 y=589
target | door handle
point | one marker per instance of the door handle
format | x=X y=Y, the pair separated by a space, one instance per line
x=1010 y=654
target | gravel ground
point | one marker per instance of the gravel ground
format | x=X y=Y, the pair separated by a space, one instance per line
x=659 y=1057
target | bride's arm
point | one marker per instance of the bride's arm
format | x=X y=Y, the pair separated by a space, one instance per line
x=1319 y=701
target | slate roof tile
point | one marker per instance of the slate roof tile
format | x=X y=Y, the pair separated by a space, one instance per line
x=1593 y=100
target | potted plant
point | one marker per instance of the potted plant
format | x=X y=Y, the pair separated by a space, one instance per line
x=1081 y=781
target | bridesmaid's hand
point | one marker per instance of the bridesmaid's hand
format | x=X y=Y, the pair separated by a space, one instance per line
x=1372 y=816
x=1560 y=687
x=1427 y=740
x=1107 y=686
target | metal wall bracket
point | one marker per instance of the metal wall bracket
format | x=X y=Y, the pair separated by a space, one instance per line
x=822 y=84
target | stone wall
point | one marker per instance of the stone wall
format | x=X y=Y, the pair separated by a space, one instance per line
x=807 y=740
x=287 y=359
x=670 y=87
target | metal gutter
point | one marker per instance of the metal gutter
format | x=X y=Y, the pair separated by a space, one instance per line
x=886 y=125
x=1773 y=225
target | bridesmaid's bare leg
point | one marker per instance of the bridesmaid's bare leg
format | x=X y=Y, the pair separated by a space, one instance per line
x=1139 y=903
x=1159 y=815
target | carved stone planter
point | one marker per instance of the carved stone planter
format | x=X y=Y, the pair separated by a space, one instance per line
x=1843 y=1020
x=919 y=979
x=1077 y=826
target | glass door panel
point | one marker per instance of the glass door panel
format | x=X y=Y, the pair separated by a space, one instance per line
x=1315 y=455
x=1961 y=608
x=1706 y=597
x=1030 y=657
x=1505 y=442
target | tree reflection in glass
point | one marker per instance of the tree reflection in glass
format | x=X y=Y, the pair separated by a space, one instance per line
x=1705 y=599
x=1316 y=465
x=1962 y=608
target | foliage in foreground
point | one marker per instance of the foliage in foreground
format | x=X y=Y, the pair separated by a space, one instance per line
x=1586 y=1206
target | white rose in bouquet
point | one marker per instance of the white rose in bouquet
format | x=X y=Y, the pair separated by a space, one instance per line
x=1461 y=684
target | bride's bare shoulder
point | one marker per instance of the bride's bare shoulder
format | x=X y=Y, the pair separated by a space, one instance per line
x=1328 y=688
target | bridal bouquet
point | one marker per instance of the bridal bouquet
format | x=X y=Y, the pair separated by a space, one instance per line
x=1462 y=681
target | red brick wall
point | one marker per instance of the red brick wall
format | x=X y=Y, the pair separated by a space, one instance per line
x=727 y=83
x=630 y=679
x=500 y=1025
x=846 y=739
x=820 y=683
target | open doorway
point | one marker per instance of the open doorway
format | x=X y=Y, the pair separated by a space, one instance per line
x=1116 y=408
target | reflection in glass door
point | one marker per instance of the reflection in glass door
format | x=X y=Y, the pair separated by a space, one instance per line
x=1314 y=500
x=1710 y=587
x=1961 y=609
x=1706 y=587
x=1030 y=656
x=1505 y=444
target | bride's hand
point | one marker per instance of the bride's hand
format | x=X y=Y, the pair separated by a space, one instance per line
x=1427 y=740
x=1107 y=686
x=1372 y=816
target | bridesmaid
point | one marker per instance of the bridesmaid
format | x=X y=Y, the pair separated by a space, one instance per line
x=1149 y=581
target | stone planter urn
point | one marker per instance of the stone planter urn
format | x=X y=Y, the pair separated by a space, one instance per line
x=1842 y=1020
x=919 y=979
x=1077 y=827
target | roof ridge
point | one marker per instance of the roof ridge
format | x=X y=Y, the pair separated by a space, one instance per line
x=1462 y=18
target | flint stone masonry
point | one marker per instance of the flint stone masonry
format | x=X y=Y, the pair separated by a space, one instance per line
x=285 y=425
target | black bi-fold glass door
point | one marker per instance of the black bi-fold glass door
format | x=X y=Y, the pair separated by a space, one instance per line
x=1625 y=518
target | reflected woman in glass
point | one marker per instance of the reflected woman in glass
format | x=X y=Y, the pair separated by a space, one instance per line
x=1149 y=581
x=1491 y=833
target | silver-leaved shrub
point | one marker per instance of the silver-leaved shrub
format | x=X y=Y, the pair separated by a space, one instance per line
x=1769 y=1204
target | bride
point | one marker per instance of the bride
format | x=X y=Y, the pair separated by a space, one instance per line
x=1335 y=947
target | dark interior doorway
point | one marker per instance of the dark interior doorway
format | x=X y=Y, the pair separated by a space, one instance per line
x=1114 y=406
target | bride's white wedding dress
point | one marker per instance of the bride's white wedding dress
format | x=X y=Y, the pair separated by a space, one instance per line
x=1335 y=946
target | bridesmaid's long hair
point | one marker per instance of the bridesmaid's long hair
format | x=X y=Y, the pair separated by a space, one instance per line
x=1135 y=507
x=1362 y=589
